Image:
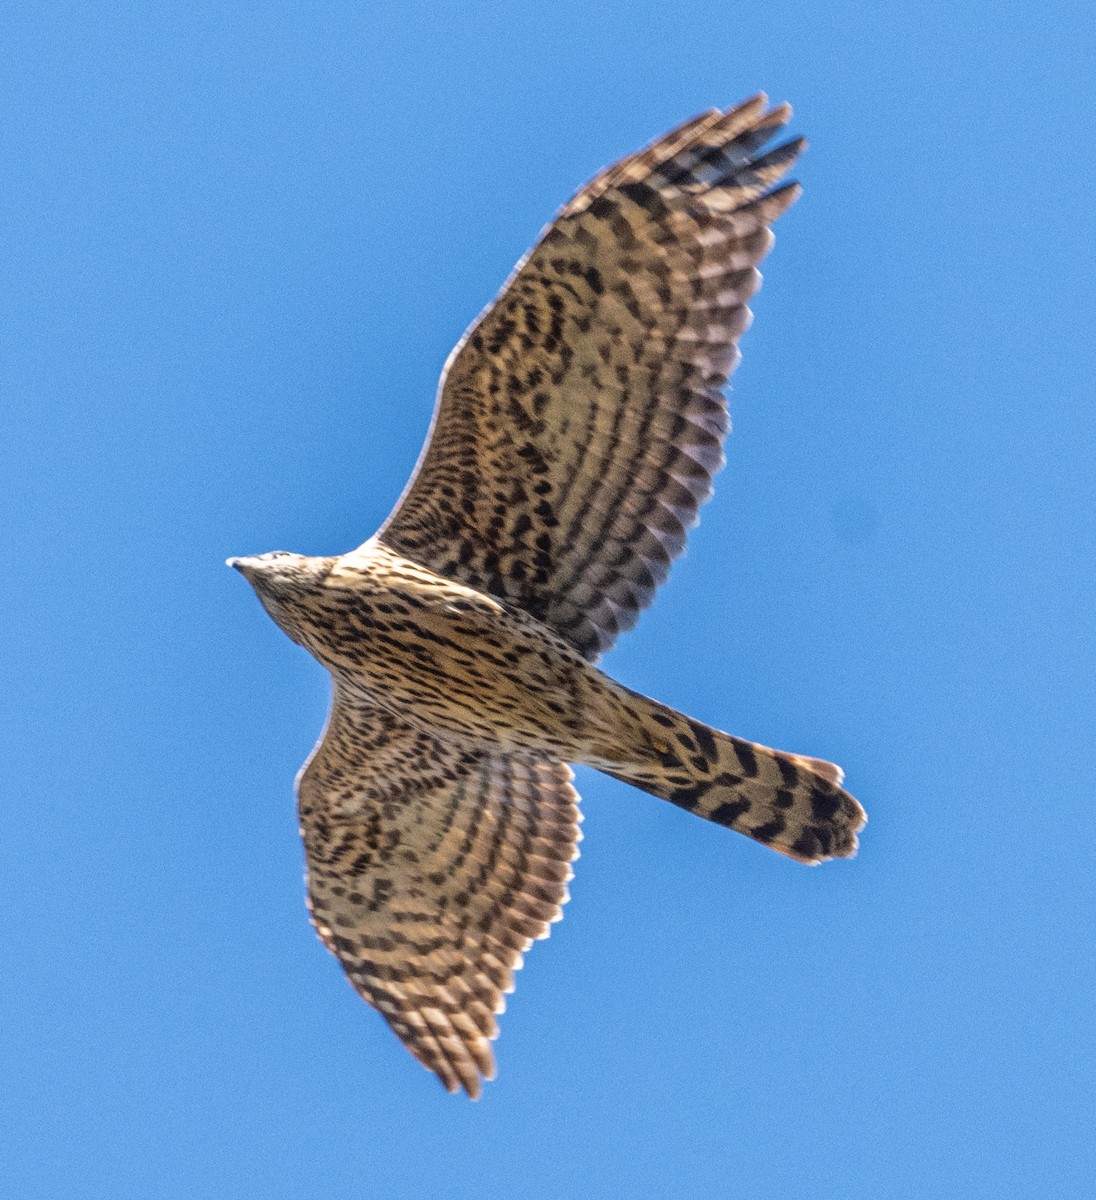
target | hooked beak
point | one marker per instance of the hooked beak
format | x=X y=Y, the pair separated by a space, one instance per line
x=243 y=565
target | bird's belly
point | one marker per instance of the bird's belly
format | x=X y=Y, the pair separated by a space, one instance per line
x=470 y=669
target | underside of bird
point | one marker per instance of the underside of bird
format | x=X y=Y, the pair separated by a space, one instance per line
x=579 y=424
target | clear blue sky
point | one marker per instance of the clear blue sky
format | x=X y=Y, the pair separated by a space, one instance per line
x=237 y=243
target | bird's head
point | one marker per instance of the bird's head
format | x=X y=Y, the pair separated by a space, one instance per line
x=283 y=582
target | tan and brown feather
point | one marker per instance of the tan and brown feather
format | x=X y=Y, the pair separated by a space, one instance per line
x=581 y=418
x=431 y=870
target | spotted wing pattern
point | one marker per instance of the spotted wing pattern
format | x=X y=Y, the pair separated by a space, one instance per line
x=431 y=869
x=581 y=418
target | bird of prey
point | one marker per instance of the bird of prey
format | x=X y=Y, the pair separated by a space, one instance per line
x=578 y=425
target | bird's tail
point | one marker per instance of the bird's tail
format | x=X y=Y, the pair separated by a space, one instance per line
x=788 y=802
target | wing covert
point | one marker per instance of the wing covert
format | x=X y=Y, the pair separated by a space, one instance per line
x=581 y=418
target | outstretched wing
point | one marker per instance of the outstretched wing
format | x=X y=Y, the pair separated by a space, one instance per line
x=430 y=872
x=581 y=418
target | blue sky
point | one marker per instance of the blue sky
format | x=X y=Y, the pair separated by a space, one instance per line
x=238 y=242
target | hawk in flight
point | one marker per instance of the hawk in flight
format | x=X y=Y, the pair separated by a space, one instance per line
x=579 y=423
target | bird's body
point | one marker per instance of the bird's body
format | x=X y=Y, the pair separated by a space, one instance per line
x=447 y=657
x=578 y=427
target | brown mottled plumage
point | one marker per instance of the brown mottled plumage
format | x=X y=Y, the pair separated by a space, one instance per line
x=579 y=423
